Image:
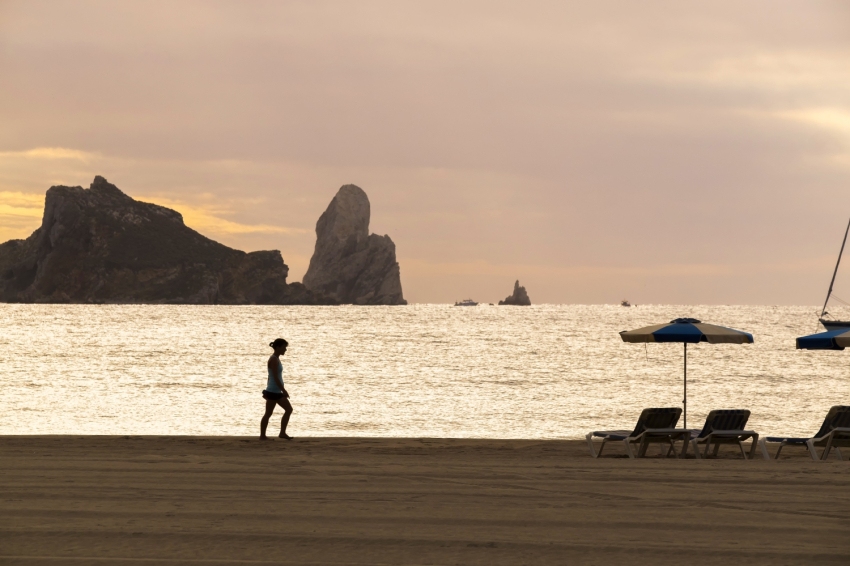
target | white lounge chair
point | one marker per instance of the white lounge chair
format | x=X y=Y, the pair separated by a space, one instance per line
x=725 y=426
x=833 y=433
x=656 y=425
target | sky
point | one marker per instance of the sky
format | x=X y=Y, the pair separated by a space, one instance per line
x=661 y=152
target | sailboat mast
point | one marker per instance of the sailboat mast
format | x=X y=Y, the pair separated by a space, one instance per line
x=828 y=293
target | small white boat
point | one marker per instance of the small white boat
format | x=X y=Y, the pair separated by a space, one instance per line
x=466 y=303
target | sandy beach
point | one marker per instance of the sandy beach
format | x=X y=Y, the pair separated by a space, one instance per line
x=223 y=500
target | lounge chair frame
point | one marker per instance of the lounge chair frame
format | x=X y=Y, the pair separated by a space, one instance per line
x=718 y=437
x=725 y=426
x=663 y=436
x=828 y=442
x=644 y=435
x=833 y=433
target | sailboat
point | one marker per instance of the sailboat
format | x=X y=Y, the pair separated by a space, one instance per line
x=834 y=324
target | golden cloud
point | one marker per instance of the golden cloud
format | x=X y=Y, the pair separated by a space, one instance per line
x=207 y=220
x=21 y=213
x=51 y=153
x=835 y=119
x=13 y=203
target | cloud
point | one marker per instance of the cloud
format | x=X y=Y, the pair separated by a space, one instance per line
x=590 y=145
x=50 y=153
x=21 y=204
x=209 y=221
x=834 y=119
x=21 y=212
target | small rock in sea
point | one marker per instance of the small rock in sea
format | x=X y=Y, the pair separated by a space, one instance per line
x=519 y=297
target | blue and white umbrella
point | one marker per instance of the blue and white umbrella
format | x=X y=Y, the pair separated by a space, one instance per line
x=829 y=340
x=688 y=331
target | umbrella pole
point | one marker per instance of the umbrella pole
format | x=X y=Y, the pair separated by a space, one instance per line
x=685 y=400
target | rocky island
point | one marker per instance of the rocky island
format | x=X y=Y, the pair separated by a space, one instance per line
x=519 y=297
x=98 y=245
x=350 y=265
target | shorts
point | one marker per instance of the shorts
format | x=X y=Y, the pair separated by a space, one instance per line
x=272 y=396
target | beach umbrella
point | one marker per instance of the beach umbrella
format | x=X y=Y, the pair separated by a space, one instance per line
x=687 y=331
x=829 y=340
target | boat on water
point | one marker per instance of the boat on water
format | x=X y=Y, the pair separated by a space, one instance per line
x=625 y=303
x=827 y=323
x=466 y=303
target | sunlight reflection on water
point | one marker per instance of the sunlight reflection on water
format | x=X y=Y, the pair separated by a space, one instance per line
x=548 y=371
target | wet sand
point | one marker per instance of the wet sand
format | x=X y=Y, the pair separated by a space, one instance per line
x=223 y=500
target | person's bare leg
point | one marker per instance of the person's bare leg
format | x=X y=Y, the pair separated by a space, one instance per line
x=264 y=423
x=287 y=412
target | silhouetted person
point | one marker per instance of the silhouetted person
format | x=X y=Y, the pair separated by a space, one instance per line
x=274 y=393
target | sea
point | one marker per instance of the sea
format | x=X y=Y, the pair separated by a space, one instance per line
x=424 y=370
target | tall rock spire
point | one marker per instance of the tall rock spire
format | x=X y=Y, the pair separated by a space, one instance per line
x=348 y=264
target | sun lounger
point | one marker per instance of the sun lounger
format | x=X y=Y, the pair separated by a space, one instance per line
x=833 y=433
x=725 y=426
x=653 y=426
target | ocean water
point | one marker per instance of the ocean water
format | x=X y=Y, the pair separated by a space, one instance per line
x=547 y=371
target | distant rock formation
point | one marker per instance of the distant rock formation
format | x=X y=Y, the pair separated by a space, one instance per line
x=350 y=265
x=98 y=245
x=520 y=297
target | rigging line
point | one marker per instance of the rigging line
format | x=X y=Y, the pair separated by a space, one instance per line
x=828 y=293
x=840 y=300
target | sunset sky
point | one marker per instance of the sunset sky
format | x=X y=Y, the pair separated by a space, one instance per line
x=664 y=152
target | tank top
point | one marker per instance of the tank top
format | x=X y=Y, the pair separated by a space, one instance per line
x=272 y=385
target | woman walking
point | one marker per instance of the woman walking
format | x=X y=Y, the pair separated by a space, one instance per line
x=275 y=394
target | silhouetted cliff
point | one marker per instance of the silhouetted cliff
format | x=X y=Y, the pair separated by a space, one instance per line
x=98 y=245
